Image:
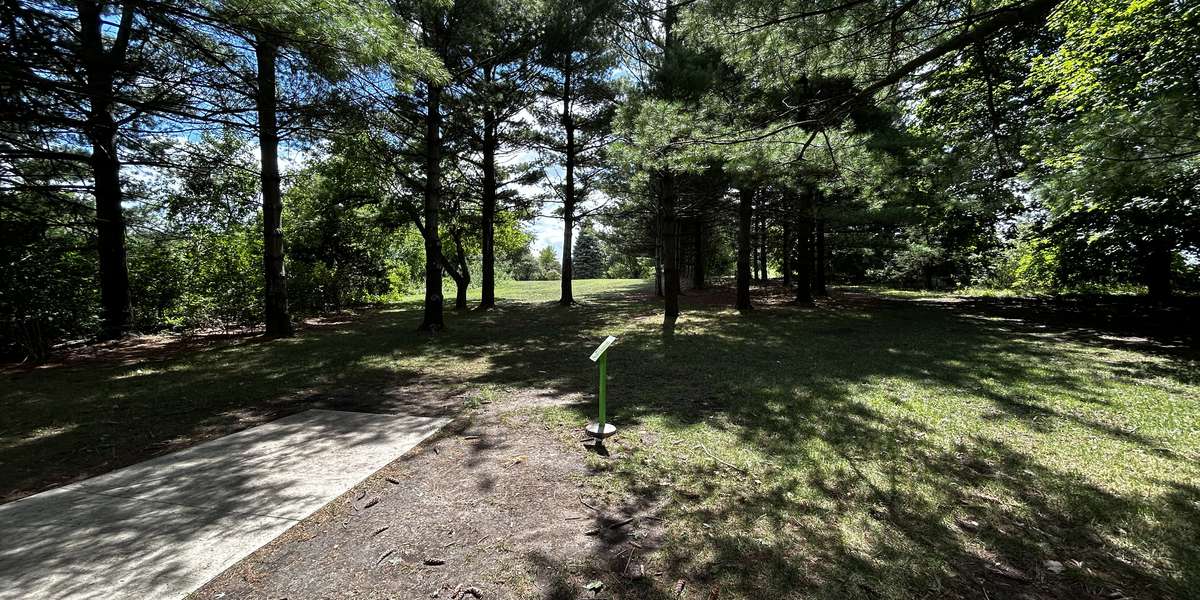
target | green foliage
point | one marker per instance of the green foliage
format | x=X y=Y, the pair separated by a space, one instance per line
x=340 y=252
x=1037 y=266
x=915 y=264
x=1119 y=164
x=548 y=265
x=335 y=38
x=624 y=266
x=49 y=287
x=157 y=278
x=523 y=266
x=589 y=261
x=223 y=280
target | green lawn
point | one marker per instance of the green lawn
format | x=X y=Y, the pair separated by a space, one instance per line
x=864 y=448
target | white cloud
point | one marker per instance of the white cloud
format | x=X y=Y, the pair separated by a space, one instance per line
x=547 y=233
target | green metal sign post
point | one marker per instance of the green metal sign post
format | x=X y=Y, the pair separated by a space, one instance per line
x=602 y=428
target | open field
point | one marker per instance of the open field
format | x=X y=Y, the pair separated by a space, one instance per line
x=865 y=447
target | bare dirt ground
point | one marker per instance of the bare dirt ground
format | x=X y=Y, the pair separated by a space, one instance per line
x=495 y=506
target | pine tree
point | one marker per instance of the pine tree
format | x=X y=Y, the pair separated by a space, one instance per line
x=578 y=57
x=590 y=262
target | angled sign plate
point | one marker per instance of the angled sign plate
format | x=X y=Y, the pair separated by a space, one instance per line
x=603 y=346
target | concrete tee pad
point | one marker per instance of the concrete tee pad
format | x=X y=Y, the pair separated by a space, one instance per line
x=162 y=528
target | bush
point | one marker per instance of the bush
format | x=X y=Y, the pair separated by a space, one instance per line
x=223 y=284
x=50 y=289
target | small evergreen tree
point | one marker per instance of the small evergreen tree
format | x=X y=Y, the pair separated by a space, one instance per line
x=590 y=262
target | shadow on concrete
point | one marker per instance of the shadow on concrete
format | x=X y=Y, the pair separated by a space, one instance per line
x=161 y=528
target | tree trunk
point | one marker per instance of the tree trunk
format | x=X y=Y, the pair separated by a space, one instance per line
x=820 y=274
x=745 y=214
x=757 y=236
x=110 y=227
x=804 y=257
x=787 y=252
x=1158 y=269
x=110 y=223
x=567 y=297
x=278 y=321
x=698 y=257
x=488 y=210
x=433 y=318
x=658 y=271
x=670 y=243
x=762 y=244
x=461 y=275
x=101 y=132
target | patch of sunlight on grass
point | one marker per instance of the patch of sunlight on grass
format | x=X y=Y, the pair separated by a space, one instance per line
x=824 y=453
x=139 y=372
x=38 y=435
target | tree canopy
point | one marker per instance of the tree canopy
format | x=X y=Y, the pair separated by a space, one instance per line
x=359 y=151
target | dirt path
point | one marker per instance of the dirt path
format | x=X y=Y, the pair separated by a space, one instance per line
x=493 y=507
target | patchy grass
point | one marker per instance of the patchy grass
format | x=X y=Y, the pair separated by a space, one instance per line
x=866 y=447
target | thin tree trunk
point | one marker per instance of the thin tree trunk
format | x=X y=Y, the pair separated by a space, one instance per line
x=658 y=270
x=461 y=276
x=804 y=257
x=667 y=192
x=745 y=214
x=786 y=254
x=101 y=132
x=670 y=243
x=762 y=244
x=278 y=321
x=698 y=257
x=567 y=297
x=488 y=210
x=820 y=274
x=757 y=237
x=433 y=318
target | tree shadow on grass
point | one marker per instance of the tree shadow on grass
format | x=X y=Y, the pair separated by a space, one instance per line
x=74 y=419
x=893 y=449
x=881 y=502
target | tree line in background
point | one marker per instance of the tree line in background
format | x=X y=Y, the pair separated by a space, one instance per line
x=195 y=163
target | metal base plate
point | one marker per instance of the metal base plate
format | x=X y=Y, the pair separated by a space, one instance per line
x=593 y=429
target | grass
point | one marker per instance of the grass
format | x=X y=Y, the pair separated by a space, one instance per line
x=867 y=447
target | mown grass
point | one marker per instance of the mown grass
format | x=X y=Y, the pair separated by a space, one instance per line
x=862 y=448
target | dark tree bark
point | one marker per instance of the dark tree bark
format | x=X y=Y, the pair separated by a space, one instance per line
x=804 y=257
x=763 y=247
x=433 y=318
x=698 y=256
x=488 y=211
x=762 y=244
x=819 y=282
x=1158 y=269
x=745 y=214
x=658 y=270
x=460 y=275
x=567 y=297
x=101 y=132
x=786 y=254
x=757 y=247
x=670 y=226
x=278 y=321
